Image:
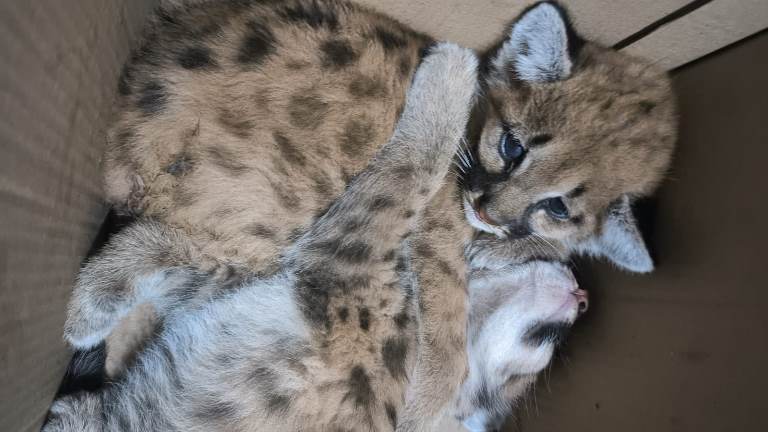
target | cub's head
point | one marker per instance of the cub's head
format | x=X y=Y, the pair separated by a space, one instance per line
x=571 y=133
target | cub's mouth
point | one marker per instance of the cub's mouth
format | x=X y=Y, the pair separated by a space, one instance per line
x=479 y=219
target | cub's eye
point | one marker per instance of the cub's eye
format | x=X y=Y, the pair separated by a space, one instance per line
x=556 y=208
x=511 y=150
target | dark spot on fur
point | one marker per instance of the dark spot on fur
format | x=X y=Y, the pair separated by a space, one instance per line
x=402 y=172
x=324 y=186
x=401 y=265
x=389 y=40
x=288 y=150
x=367 y=87
x=125 y=80
x=197 y=57
x=357 y=136
x=389 y=256
x=364 y=318
x=313 y=290
x=360 y=390
x=266 y=380
x=381 y=202
x=343 y=313
x=286 y=196
x=338 y=53
x=153 y=98
x=183 y=164
x=424 y=250
x=393 y=353
x=353 y=225
x=483 y=398
x=307 y=110
x=391 y=414
x=408 y=214
x=258 y=44
x=354 y=252
x=401 y=319
x=444 y=267
x=313 y=14
x=236 y=124
x=647 y=106
x=550 y=332
x=259 y=230
x=225 y=159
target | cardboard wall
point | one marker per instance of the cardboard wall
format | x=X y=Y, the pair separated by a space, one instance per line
x=60 y=62
x=685 y=348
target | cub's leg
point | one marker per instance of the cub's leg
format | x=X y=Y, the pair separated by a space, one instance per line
x=129 y=271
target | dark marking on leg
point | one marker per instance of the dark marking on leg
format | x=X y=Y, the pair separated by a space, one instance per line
x=196 y=57
x=380 y=203
x=307 y=110
x=288 y=150
x=360 y=390
x=401 y=319
x=153 y=98
x=260 y=230
x=343 y=314
x=235 y=123
x=364 y=318
x=258 y=44
x=354 y=252
x=324 y=187
x=363 y=86
x=423 y=249
x=389 y=256
x=338 y=53
x=357 y=136
x=393 y=353
x=226 y=160
x=391 y=414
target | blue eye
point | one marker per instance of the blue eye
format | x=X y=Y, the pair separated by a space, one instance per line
x=511 y=150
x=556 y=208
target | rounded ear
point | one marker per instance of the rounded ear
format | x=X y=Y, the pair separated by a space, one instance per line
x=539 y=47
x=620 y=240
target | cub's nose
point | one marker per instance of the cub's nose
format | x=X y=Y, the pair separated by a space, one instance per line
x=582 y=298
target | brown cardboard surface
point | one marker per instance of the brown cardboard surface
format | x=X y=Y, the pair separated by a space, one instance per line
x=680 y=350
x=59 y=70
x=684 y=349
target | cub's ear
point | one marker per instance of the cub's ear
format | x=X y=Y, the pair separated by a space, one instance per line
x=539 y=47
x=620 y=240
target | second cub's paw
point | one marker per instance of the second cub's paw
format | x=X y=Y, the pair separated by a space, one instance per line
x=445 y=83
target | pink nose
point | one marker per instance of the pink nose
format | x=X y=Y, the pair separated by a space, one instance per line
x=582 y=298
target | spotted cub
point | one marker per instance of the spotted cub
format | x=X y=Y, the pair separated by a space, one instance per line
x=240 y=121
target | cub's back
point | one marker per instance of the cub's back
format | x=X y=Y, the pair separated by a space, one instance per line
x=238 y=121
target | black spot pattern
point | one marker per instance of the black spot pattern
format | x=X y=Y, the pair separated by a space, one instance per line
x=313 y=14
x=288 y=150
x=360 y=390
x=364 y=318
x=226 y=160
x=391 y=414
x=357 y=136
x=258 y=44
x=338 y=53
x=393 y=353
x=196 y=57
x=260 y=230
x=389 y=40
x=153 y=98
x=307 y=110
x=363 y=86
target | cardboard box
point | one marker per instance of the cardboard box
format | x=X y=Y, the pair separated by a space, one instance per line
x=681 y=350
